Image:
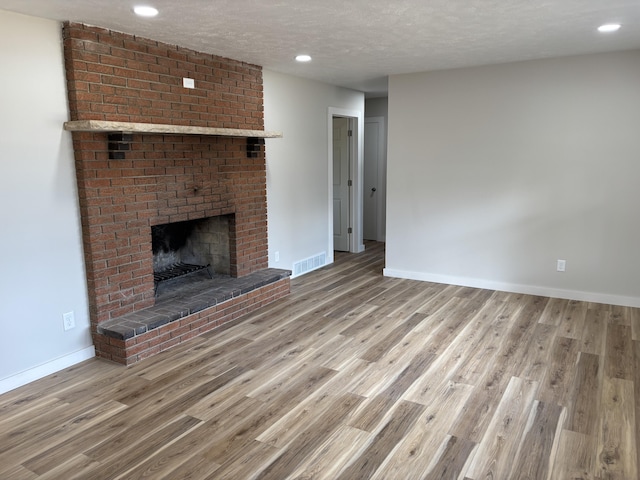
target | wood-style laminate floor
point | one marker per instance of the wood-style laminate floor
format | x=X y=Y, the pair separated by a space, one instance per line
x=353 y=376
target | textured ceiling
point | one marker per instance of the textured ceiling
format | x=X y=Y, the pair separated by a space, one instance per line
x=358 y=43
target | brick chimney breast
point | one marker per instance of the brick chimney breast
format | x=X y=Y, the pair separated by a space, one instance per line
x=161 y=178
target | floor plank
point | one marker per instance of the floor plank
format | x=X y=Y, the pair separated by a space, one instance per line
x=495 y=453
x=617 y=440
x=400 y=422
x=420 y=452
x=594 y=333
x=539 y=442
x=582 y=414
x=575 y=458
x=618 y=352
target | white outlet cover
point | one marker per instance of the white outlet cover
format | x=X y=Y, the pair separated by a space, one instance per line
x=69 y=321
x=188 y=82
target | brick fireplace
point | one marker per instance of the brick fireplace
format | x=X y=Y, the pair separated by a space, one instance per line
x=159 y=179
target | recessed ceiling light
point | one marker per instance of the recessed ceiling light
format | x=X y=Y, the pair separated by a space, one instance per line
x=303 y=58
x=145 y=11
x=609 y=27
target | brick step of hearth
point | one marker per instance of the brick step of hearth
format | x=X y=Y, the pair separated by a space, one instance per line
x=188 y=300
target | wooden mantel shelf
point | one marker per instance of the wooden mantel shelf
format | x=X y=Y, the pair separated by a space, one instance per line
x=129 y=127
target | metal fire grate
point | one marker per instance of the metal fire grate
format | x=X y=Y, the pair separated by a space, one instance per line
x=178 y=270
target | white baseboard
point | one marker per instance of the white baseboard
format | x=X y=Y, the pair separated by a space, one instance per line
x=516 y=288
x=28 y=376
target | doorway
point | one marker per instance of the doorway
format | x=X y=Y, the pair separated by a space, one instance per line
x=345 y=180
x=341 y=183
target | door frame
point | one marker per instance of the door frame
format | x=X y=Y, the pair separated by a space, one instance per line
x=356 y=125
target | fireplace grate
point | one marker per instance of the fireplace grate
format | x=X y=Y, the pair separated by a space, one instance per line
x=178 y=270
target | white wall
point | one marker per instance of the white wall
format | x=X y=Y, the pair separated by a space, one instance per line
x=496 y=172
x=298 y=194
x=42 y=272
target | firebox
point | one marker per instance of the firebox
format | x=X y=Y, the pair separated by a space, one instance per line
x=185 y=248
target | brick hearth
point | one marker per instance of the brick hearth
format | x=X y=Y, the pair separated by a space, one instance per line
x=188 y=312
x=163 y=178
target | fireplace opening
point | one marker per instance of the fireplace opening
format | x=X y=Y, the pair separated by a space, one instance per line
x=190 y=251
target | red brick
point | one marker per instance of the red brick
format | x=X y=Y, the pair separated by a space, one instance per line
x=170 y=343
x=148 y=353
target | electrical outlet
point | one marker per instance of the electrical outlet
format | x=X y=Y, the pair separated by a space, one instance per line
x=276 y=256
x=68 y=320
x=562 y=265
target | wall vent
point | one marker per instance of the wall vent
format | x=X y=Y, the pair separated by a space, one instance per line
x=308 y=264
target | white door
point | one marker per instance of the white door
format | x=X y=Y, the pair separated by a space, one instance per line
x=341 y=184
x=373 y=141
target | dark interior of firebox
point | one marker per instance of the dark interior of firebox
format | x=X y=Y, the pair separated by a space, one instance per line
x=182 y=249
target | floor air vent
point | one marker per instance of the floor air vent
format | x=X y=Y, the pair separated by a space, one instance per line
x=308 y=264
